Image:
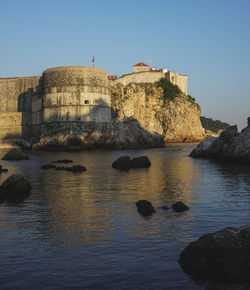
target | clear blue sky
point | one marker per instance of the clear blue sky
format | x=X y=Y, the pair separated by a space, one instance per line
x=207 y=40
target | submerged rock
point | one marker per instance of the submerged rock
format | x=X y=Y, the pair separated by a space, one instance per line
x=145 y=207
x=15 y=154
x=165 y=207
x=74 y=168
x=221 y=256
x=15 y=186
x=63 y=161
x=48 y=166
x=179 y=206
x=140 y=162
x=122 y=163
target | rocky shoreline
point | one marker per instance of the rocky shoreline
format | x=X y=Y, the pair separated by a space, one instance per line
x=229 y=146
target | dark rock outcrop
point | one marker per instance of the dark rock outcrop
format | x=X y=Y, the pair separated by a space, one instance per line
x=74 y=168
x=230 y=145
x=140 y=162
x=3 y=169
x=126 y=163
x=63 y=161
x=48 y=166
x=122 y=163
x=145 y=207
x=15 y=154
x=179 y=206
x=14 y=187
x=221 y=256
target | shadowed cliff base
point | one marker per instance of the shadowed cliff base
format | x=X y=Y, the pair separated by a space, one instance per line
x=119 y=135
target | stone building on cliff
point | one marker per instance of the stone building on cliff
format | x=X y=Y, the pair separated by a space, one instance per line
x=76 y=95
x=142 y=73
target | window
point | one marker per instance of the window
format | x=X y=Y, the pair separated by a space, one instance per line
x=86 y=102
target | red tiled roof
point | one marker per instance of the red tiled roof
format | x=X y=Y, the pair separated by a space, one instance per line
x=140 y=64
x=112 y=77
x=156 y=70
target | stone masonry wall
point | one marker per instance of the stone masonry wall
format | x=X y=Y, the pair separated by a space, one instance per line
x=75 y=94
x=179 y=80
x=140 y=77
x=15 y=106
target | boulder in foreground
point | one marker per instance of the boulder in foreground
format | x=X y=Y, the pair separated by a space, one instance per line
x=145 y=207
x=15 y=154
x=221 y=256
x=15 y=186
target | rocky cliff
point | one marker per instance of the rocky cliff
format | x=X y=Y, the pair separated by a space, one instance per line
x=177 y=120
x=142 y=117
x=230 y=145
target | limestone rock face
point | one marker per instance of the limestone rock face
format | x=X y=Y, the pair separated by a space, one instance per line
x=221 y=256
x=230 y=145
x=177 y=120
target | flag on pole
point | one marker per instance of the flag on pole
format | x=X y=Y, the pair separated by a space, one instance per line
x=93 y=60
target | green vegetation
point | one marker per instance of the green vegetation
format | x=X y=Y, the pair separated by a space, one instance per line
x=213 y=125
x=170 y=90
x=193 y=101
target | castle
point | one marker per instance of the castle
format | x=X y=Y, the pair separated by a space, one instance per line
x=77 y=95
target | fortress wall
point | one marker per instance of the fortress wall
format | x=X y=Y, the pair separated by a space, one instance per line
x=76 y=94
x=15 y=125
x=179 y=80
x=140 y=77
x=15 y=94
x=15 y=106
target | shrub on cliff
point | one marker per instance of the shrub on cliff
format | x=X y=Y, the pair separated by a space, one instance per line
x=213 y=125
x=170 y=90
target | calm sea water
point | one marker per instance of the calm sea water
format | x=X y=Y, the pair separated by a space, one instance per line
x=82 y=231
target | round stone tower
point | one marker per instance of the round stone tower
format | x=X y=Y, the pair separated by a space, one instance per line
x=76 y=94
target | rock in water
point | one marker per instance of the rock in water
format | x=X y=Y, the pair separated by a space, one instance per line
x=48 y=166
x=145 y=207
x=15 y=186
x=3 y=169
x=77 y=168
x=74 y=168
x=15 y=154
x=141 y=162
x=179 y=206
x=63 y=161
x=122 y=163
x=221 y=256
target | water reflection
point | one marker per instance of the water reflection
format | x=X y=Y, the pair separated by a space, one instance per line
x=79 y=219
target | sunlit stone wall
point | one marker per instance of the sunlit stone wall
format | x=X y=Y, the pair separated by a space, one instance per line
x=75 y=94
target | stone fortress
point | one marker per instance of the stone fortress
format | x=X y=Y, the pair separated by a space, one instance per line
x=78 y=95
